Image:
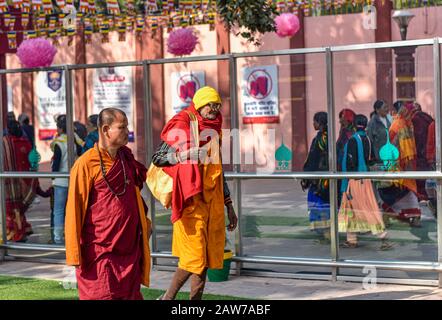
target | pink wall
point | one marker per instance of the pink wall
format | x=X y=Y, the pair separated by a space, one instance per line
x=256 y=136
x=425 y=24
x=354 y=71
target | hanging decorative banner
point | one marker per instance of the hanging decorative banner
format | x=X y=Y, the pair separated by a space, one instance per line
x=121 y=25
x=170 y=6
x=139 y=25
x=184 y=21
x=186 y=6
x=104 y=30
x=99 y=20
x=3 y=6
x=26 y=6
x=129 y=23
x=30 y=34
x=205 y=5
x=24 y=20
x=110 y=21
x=9 y=21
x=17 y=4
x=176 y=20
x=84 y=6
x=41 y=21
x=92 y=9
x=130 y=7
x=183 y=87
x=36 y=5
x=211 y=21
x=88 y=30
x=260 y=102
x=281 y=5
x=153 y=26
x=47 y=6
x=112 y=7
x=169 y=25
x=61 y=4
x=70 y=32
x=112 y=87
x=12 y=40
x=69 y=2
x=151 y=6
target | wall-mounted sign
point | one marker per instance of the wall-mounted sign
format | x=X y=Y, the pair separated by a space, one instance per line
x=260 y=102
x=51 y=101
x=184 y=85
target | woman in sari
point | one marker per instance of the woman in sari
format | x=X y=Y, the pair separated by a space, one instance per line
x=318 y=198
x=400 y=199
x=359 y=211
x=19 y=193
x=346 y=117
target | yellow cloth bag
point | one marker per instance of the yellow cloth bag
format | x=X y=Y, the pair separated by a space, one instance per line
x=158 y=181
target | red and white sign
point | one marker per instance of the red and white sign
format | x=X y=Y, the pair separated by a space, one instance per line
x=260 y=102
x=184 y=85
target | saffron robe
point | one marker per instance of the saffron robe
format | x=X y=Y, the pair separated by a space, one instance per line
x=198 y=195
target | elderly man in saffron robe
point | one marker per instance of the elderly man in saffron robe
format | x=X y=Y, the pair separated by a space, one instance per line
x=199 y=191
x=106 y=226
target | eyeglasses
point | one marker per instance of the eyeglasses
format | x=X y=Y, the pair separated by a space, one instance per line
x=214 y=106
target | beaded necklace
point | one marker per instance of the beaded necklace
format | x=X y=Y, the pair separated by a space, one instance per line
x=103 y=173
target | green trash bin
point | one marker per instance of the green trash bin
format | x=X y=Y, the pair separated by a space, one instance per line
x=218 y=275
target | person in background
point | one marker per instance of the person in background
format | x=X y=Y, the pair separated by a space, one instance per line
x=92 y=136
x=377 y=128
x=400 y=200
x=359 y=211
x=318 y=197
x=27 y=128
x=346 y=117
x=421 y=122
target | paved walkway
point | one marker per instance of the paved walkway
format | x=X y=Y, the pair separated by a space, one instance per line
x=250 y=287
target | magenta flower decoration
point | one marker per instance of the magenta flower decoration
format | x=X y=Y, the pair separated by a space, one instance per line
x=36 y=52
x=181 y=42
x=287 y=24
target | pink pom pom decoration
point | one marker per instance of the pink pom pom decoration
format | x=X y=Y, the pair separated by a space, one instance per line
x=287 y=24
x=36 y=52
x=181 y=42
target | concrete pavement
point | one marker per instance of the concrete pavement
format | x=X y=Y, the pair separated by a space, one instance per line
x=249 y=287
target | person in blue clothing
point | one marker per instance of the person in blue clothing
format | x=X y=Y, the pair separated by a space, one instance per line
x=92 y=130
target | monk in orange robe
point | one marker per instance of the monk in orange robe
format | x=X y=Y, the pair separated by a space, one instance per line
x=106 y=227
x=199 y=192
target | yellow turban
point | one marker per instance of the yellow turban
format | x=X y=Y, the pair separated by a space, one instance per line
x=204 y=96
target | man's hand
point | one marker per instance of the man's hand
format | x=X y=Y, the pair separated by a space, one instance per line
x=233 y=219
x=192 y=154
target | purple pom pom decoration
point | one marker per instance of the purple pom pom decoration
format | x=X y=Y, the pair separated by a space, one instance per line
x=181 y=42
x=287 y=24
x=36 y=52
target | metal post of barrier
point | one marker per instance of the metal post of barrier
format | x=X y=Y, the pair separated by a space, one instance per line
x=437 y=102
x=236 y=157
x=69 y=117
x=332 y=162
x=3 y=251
x=148 y=131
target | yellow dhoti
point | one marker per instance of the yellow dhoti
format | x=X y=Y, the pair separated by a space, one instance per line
x=199 y=236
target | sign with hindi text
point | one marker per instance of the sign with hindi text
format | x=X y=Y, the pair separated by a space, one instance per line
x=260 y=103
